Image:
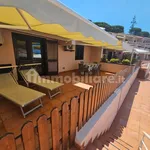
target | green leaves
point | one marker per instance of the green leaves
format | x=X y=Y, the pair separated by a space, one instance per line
x=126 y=62
x=114 y=60
x=109 y=28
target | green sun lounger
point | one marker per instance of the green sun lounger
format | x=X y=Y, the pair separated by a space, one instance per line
x=20 y=95
x=31 y=76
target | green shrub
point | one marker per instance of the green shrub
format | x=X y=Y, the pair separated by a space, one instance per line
x=104 y=59
x=126 y=62
x=134 y=60
x=114 y=60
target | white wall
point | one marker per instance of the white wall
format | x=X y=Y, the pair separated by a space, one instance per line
x=110 y=67
x=7 y=55
x=67 y=62
x=102 y=120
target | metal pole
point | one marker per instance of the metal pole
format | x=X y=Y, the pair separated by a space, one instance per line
x=132 y=56
x=102 y=52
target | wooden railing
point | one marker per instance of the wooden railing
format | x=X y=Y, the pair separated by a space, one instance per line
x=58 y=130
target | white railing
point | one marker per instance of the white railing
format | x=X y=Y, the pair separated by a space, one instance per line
x=147 y=66
x=142 y=143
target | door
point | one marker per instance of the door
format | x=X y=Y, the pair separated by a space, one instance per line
x=109 y=55
x=52 y=57
x=29 y=50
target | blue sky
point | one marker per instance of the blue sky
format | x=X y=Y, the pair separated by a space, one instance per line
x=114 y=12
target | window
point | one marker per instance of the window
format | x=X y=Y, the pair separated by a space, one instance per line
x=105 y=51
x=21 y=49
x=36 y=50
x=79 y=55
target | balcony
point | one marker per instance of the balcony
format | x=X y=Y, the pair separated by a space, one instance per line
x=63 y=115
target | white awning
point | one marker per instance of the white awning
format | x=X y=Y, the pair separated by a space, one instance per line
x=141 y=51
x=53 y=12
x=131 y=49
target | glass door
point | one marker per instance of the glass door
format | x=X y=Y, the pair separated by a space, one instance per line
x=36 y=50
x=29 y=49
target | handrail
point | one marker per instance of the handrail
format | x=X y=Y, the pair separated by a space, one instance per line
x=33 y=64
x=142 y=143
x=147 y=135
x=24 y=65
x=145 y=147
x=7 y=67
x=148 y=66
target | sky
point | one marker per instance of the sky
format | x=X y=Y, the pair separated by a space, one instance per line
x=114 y=12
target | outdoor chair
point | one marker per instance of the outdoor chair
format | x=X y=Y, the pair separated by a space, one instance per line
x=31 y=76
x=86 y=69
x=20 y=95
x=83 y=68
x=96 y=69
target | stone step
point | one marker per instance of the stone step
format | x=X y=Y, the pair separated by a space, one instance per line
x=111 y=146
x=91 y=146
x=119 y=144
x=123 y=142
x=112 y=142
x=99 y=144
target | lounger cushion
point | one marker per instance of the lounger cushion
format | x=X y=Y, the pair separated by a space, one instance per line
x=6 y=80
x=51 y=86
x=21 y=95
x=36 y=79
x=17 y=93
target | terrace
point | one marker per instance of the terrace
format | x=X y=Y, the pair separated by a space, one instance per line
x=88 y=104
x=76 y=98
x=11 y=118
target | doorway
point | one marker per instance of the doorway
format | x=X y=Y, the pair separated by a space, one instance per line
x=29 y=49
x=110 y=54
x=52 y=57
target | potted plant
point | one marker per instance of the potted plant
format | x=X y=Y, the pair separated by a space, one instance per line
x=114 y=60
x=126 y=62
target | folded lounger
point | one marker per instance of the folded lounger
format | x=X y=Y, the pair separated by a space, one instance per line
x=31 y=76
x=20 y=95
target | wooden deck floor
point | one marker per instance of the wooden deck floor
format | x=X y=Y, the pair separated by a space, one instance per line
x=11 y=119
